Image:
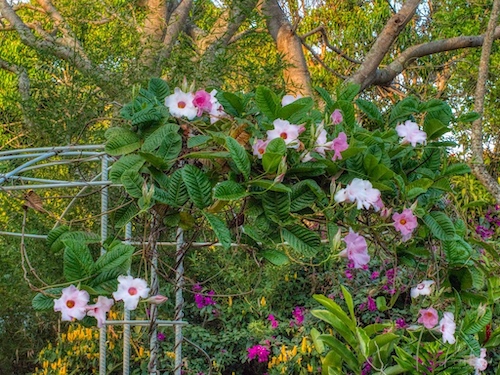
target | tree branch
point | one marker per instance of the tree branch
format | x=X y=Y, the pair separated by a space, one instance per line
x=365 y=74
x=477 y=162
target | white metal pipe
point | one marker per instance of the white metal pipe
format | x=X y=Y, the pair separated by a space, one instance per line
x=52 y=186
x=59 y=148
x=104 y=235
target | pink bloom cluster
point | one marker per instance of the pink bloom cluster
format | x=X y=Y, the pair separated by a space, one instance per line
x=189 y=105
x=405 y=223
x=411 y=133
x=298 y=316
x=447 y=326
x=479 y=363
x=356 y=249
x=73 y=303
x=260 y=352
x=362 y=192
x=274 y=322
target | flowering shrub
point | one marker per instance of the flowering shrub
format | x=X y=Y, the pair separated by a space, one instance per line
x=291 y=183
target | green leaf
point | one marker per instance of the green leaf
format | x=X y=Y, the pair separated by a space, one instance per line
x=303 y=240
x=132 y=182
x=123 y=142
x=220 y=229
x=473 y=327
x=177 y=193
x=78 y=236
x=118 y=257
x=469 y=117
x=349 y=92
x=349 y=302
x=208 y=155
x=295 y=109
x=267 y=102
x=370 y=109
x=125 y=163
x=198 y=140
x=229 y=190
x=155 y=139
x=106 y=282
x=159 y=88
x=271 y=185
x=337 y=324
x=277 y=206
x=435 y=128
x=45 y=302
x=55 y=233
x=125 y=214
x=379 y=341
x=440 y=225
x=235 y=102
x=456 y=169
x=403 y=110
x=334 y=308
x=341 y=349
x=198 y=186
x=275 y=151
x=239 y=156
x=275 y=257
x=325 y=95
x=77 y=261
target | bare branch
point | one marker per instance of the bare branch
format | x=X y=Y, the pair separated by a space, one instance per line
x=366 y=72
x=477 y=162
x=322 y=31
x=387 y=74
x=321 y=62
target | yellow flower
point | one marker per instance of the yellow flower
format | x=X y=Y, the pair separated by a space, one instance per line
x=303 y=346
x=309 y=368
x=263 y=301
x=230 y=301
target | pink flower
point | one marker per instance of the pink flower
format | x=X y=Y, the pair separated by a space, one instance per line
x=339 y=144
x=259 y=147
x=360 y=191
x=479 y=363
x=72 y=304
x=272 y=319
x=288 y=132
x=411 y=133
x=217 y=111
x=447 y=327
x=202 y=101
x=372 y=306
x=289 y=99
x=259 y=351
x=157 y=300
x=356 y=249
x=422 y=289
x=130 y=290
x=405 y=223
x=180 y=104
x=100 y=309
x=428 y=317
x=298 y=316
x=337 y=117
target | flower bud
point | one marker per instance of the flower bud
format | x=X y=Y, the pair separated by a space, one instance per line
x=156 y=300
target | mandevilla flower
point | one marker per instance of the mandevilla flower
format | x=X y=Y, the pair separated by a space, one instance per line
x=217 y=111
x=479 y=363
x=288 y=132
x=405 y=223
x=180 y=104
x=289 y=99
x=422 y=289
x=72 y=304
x=337 y=117
x=428 y=317
x=447 y=327
x=356 y=250
x=411 y=133
x=259 y=147
x=100 y=309
x=157 y=300
x=259 y=351
x=339 y=144
x=130 y=290
x=202 y=101
x=359 y=191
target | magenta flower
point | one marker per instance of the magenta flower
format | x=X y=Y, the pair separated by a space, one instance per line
x=447 y=327
x=130 y=290
x=202 y=100
x=337 y=117
x=160 y=336
x=260 y=352
x=298 y=316
x=288 y=132
x=359 y=191
x=405 y=223
x=356 y=249
x=272 y=319
x=180 y=104
x=72 y=304
x=100 y=309
x=372 y=306
x=204 y=300
x=259 y=147
x=339 y=144
x=411 y=133
x=428 y=317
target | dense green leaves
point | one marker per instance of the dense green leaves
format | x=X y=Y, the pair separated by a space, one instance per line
x=197 y=185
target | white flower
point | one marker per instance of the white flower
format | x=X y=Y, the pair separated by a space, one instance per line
x=180 y=104
x=288 y=99
x=479 y=363
x=447 y=327
x=72 y=304
x=359 y=191
x=422 y=289
x=100 y=309
x=411 y=133
x=130 y=290
x=288 y=132
x=217 y=111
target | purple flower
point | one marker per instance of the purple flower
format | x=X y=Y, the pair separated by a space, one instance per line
x=160 y=336
x=372 y=306
x=484 y=232
x=274 y=322
x=258 y=351
x=400 y=323
x=374 y=275
x=298 y=316
x=337 y=117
